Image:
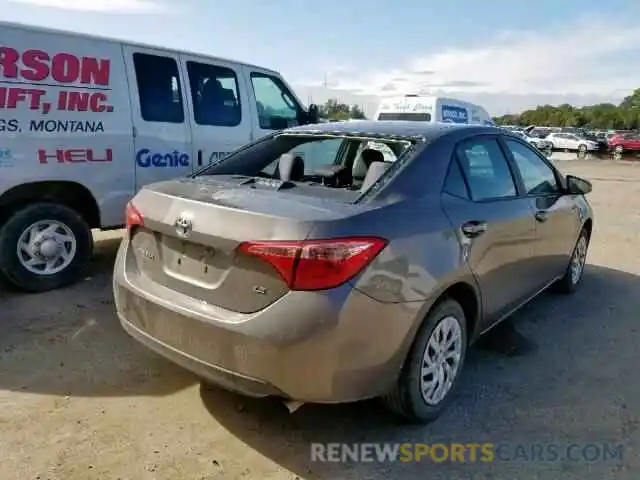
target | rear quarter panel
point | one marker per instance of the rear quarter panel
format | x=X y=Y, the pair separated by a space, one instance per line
x=65 y=115
x=422 y=259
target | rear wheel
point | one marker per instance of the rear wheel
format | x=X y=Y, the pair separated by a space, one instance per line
x=431 y=372
x=570 y=282
x=44 y=246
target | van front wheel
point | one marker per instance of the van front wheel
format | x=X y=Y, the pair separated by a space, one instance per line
x=44 y=246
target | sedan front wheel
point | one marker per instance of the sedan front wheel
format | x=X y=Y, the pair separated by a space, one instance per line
x=573 y=275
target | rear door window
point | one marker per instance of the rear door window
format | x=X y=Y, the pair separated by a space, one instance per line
x=486 y=169
x=455 y=184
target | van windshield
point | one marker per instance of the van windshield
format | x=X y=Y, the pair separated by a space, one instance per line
x=409 y=116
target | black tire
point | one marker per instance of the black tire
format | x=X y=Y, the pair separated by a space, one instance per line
x=13 y=228
x=406 y=398
x=582 y=151
x=568 y=284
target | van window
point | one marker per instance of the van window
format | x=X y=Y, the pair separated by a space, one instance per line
x=318 y=154
x=277 y=108
x=408 y=116
x=158 y=88
x=214 y=93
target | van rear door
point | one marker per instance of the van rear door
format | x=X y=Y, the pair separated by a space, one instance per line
x=162 y=136
x=220 y=113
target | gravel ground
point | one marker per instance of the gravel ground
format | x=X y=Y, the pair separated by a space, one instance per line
x=80 y=400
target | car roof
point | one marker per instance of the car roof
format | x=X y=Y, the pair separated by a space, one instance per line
x=425 y=131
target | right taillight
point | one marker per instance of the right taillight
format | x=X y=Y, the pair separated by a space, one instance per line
x=317 y=264
x=133 y=217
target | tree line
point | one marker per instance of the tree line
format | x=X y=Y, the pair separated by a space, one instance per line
x=625 y=116
x=334 y=110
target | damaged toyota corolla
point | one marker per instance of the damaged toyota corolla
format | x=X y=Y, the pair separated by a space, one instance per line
x=347 y=261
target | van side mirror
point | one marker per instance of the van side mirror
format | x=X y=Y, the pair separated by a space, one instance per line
x=578 y=186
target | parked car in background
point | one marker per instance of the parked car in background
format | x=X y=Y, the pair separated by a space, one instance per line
x=571 y=142
x=540 y=143
x=625 y=142
x=538 y=132
x=315 y=280
x=600 y=140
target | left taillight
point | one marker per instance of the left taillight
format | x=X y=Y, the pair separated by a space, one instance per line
x=133 y=217
x=317 y=264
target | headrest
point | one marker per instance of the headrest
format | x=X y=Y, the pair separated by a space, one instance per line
x=369 y=155
x=376 y=170
x=289 y=166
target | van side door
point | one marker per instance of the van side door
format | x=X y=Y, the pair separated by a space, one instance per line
x=274 y=105
x=220 y=116
x=162 y=138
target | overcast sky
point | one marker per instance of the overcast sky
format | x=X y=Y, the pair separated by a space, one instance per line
x=505 y=55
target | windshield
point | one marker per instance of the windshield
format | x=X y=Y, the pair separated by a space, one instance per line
x=409 y=116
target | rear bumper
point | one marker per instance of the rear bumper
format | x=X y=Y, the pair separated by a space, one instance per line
x=233 y=381
x=319 y=347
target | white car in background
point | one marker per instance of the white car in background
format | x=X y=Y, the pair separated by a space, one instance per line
x=569 y=141
x=540 y=143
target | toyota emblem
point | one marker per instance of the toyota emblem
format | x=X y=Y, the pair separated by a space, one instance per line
x=184 y=225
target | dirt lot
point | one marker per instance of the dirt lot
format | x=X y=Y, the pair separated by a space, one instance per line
x=81 y=400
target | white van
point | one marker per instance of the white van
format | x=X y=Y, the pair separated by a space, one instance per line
x=86 y=121
x=432 y=109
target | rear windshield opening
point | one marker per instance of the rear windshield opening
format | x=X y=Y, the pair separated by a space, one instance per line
x=319 y=161
x=410 y=116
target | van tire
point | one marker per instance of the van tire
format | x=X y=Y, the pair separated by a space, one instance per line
x=10 y=233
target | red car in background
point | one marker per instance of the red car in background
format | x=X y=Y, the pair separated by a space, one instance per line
x=625 y=142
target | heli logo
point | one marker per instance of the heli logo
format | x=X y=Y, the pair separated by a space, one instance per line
x=75 y=155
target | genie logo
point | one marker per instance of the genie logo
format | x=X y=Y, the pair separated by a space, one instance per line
x=146 y=158
x=454 y=114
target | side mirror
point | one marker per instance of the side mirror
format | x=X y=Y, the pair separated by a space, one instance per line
x=312 y=114
x=577 y=185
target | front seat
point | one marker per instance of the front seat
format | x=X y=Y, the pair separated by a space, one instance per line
x=297 y=169
x=290 y=168
x=367 y=157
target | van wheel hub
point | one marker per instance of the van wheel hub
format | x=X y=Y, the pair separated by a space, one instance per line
x=46 y=247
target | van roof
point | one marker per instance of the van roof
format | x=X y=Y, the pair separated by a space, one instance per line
x=35 y=28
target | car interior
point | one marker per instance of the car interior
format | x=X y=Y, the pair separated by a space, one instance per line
x=352 y=164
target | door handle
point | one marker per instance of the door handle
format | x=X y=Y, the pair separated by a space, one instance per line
x=542 y=215
x=474 y=228
x=199 y=158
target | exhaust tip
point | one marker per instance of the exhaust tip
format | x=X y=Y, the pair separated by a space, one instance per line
x=292 y=405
